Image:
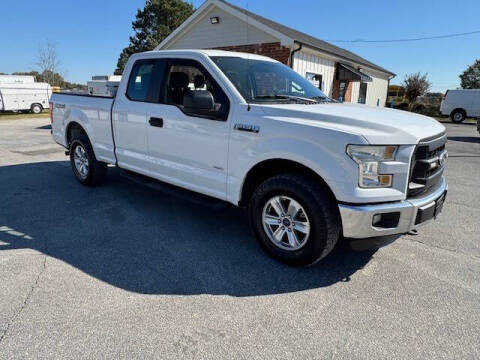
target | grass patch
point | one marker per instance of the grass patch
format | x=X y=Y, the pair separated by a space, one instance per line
x=16 y=115
x=448 y=120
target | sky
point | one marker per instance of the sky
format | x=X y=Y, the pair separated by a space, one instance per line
x=90 y=34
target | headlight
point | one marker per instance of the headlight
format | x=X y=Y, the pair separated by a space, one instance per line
x=368 y=159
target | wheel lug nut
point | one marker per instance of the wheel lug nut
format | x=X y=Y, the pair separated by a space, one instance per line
x=283 y=227
x=289 y=230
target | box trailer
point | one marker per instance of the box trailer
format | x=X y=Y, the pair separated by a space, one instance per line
x=104 y=85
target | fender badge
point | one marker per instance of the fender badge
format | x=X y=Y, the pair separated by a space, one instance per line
x=247 y=127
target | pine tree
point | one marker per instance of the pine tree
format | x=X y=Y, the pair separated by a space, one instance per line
x=153 y=24
x=470 y=79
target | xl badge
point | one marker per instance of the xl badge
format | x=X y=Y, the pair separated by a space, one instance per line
x=247 y=127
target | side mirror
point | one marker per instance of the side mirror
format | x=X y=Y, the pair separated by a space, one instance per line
x=198 y=100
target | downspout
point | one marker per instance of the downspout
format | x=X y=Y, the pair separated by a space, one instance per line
x=388 y=86
x=292 y=53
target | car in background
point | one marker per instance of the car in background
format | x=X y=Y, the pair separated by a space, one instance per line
x=460 y=104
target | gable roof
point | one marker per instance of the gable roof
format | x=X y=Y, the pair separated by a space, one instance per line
x=308 y=40
x=277 y=30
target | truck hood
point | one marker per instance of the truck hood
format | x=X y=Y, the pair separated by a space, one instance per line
x=378 y=125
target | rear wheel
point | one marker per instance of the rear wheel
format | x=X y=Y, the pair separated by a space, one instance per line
x=36 y=108
x=85 y=166
x=458 y=115
x=294 y=219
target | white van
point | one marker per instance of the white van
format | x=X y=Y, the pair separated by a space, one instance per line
x=459 y=104
x=23 y=94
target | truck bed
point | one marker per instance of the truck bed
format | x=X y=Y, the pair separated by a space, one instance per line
x=92 y=112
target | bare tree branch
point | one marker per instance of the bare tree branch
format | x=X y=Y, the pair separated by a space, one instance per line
x=48 y=61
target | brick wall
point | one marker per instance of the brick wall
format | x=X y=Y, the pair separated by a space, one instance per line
x=272 y=50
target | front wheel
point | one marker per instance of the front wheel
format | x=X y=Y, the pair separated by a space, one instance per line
x=86 y=168
x=294 y=219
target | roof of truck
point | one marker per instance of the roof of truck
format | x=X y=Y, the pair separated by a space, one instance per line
x=213 y=53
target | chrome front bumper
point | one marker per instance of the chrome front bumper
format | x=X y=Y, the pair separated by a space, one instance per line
x=357 y=220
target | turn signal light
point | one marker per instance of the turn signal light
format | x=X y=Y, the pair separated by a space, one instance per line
x=50 y=106
x=385 y=180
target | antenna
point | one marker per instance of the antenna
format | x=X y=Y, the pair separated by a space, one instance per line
x=248 y=57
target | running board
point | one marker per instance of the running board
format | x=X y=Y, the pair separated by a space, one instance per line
x=175 y=191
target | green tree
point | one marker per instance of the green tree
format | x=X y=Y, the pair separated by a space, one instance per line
x=153 y=24
x=415 y=85
x=470 y=78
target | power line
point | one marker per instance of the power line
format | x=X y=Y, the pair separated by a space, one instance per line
x=408 y=39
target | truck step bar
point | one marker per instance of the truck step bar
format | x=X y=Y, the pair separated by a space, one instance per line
x=175 y=191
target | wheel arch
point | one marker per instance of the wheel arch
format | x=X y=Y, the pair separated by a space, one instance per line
x=73 y=128
x=458 y=109
x=272 y=167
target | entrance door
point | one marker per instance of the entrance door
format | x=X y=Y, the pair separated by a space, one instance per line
x=342 y=90
x=362 y=94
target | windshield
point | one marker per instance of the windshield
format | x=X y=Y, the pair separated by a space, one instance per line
x=266 y=81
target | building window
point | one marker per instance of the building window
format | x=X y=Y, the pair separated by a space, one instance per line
x=362 y=94
x=315 y=79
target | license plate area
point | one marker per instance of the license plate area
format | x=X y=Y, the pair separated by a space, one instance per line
x=430 y=211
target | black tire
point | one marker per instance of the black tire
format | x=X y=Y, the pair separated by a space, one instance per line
x=96 y=170
x=320 y=209
x=36 y=108
x=458 y=115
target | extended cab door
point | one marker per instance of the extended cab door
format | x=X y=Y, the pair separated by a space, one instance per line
x=129 y=118
x=188 y=143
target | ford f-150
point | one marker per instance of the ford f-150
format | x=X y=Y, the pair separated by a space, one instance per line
x=248 y=130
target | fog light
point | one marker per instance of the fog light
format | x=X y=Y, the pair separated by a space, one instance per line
x=376 y=219
x=386 y=220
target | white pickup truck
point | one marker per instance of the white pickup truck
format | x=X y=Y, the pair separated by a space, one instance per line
x=250 y=131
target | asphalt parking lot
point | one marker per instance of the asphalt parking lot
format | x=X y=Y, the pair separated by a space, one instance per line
x=123 y=271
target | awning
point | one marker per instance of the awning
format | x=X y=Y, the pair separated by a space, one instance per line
x=347 y=72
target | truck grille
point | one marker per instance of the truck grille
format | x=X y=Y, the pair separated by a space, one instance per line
x=428 y=163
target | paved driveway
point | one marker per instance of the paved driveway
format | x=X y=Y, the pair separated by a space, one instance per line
x=122 y=271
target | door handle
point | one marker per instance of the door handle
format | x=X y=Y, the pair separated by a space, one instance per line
x=157 y=122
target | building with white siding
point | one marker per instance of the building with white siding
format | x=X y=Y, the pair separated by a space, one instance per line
x=339 y=73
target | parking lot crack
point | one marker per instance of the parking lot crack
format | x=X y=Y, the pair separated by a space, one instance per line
x=444 y=249
x=27 y=299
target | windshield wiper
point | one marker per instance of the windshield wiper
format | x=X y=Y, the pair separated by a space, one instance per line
x=285 y=97
x=321 y=98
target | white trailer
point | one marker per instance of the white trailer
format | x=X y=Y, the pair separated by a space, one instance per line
x=23 y=94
